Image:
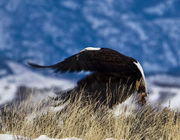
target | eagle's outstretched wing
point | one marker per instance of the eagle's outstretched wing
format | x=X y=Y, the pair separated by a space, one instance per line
x=100 y=60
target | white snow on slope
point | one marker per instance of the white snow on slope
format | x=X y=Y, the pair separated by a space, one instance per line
x=127 y=107
x=172 y=101
x=24 y=77
x=165 y=79
x=164 y=90
x=42 y=137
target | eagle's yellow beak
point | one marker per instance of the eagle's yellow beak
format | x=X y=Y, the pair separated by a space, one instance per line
x=142 y=95
x=142 y=98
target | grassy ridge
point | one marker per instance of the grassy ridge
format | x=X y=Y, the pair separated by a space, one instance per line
x=82 y=121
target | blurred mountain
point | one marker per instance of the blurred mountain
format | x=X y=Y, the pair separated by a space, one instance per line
x=48 y=31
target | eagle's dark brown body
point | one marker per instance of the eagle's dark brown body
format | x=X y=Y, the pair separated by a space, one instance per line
x=101 y=89
x=114 y=77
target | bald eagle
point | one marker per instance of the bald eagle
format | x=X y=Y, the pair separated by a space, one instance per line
x=109 y=71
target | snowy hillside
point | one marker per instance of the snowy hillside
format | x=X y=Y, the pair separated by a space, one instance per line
x=43 y=86
x=43 y=137
x=25 y=81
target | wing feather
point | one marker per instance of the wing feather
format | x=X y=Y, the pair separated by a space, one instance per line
x=103 y=60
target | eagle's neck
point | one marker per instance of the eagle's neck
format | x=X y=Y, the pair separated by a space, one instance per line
x=142 y=79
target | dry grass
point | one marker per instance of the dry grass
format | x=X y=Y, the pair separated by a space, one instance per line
x=79 y=120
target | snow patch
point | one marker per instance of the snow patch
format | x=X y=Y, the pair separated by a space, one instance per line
x=7 y=137
x=127 y=107
x=110 y=139
x=165 y=79
x=42 y=137
x=24 y=77
x=164 y=90
x=173 y=98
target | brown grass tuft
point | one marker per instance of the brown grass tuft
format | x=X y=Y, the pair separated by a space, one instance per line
x=82 y=121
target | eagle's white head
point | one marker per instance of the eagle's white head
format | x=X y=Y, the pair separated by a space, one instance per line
x=141 y=84
x=90 y=49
